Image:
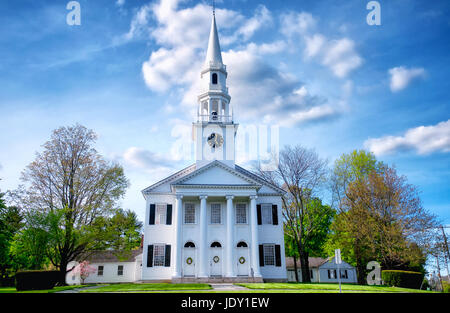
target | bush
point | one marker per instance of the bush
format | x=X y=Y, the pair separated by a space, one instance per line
x=36 y=280
x=445 y=286
x=7 y=282
x=403 y=279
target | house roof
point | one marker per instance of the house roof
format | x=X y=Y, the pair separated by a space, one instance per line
x=110 y=256
x=313 y=262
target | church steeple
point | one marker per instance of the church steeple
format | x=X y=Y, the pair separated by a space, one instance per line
x=215 y=130
x=214 y=100
x=213 y=54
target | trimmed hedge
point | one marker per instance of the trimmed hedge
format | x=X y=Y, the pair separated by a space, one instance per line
x=405 y=279
x=36 y=280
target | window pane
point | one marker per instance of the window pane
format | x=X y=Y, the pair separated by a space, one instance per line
x=215 y=214
x=269 y=254
x=266 y=211
x=189 y=213
x=241 y=214
x=100 y=270
x=120 y=270
x=159 y=255
x=161 y=211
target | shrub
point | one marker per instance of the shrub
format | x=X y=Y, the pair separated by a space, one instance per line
x=36 y=280
x=403 y=279
x=445 y=286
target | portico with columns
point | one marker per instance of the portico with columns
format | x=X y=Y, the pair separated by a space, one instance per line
x=214 y=220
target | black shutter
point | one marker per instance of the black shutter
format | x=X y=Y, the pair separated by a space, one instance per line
x=258 y=213
x=277 y=255
x=261 y=255
x=169 y=215
x=152 y=214
x=167 y=258
x=150 y=256
x=274 y=214
x=329 y=274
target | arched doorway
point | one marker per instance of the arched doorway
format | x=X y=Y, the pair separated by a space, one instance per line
x=216 y=259
x=242 y=259
x=189 y=259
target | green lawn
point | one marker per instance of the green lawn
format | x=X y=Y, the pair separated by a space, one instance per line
x=320 y=287
x=56 y=289
x=148 y=287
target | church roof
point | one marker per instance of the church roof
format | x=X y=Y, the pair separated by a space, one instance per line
x=214 y=54
x=185 y=176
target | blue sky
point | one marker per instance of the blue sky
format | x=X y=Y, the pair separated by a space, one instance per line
x=315 y=68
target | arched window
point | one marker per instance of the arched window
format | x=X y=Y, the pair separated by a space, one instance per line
x=189 y=244
x=216 y=245
x=242 y=244
x=214 y=79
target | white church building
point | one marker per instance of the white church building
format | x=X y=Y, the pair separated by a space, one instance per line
x=214 y=220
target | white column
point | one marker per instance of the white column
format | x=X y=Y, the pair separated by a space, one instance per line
x=255 y=240
x=179 y=246
x=203 y=249
x=230 y=238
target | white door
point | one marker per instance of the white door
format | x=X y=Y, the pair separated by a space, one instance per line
x=216 y=261
x=189 y=262
x=242 y=261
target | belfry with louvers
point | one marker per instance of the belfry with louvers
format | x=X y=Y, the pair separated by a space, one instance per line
x=214 y=220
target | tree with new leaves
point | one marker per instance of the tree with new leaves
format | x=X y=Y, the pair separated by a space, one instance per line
x=382 y=219
x=73 y=184
x=301 y=172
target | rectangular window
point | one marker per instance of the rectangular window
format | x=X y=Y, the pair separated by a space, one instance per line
x=311 y=274
x=216 y=213
x=120 y=270
x=100 y=270
x=161 y=214
x=241 y=213
x=159 y=255
x=189 y=213
x=344 y=274
x=266 y=212
x=269 y=254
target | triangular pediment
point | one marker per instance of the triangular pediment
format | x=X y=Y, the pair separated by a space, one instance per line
x=217 y=173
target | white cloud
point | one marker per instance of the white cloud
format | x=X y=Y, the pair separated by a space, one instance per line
x=297 y=23
x=257 y=87
x=120 y=3
x=401 y=77
x=423 y=140
x=341 y=57
x=314 y=44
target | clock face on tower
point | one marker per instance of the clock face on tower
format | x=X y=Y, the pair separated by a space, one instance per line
x=215 y=140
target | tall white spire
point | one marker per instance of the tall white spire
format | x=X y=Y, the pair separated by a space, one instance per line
x=214 y=54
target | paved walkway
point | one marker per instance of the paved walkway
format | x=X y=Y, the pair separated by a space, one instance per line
x=227 y=287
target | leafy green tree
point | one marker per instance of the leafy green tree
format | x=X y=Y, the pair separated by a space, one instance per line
x=10 y=224
x=72 y=185
x=120 y=232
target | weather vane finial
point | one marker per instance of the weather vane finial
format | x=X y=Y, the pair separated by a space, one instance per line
x=214 y=7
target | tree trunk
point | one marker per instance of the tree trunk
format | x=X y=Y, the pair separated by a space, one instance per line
x=62 y=273
x=295 y=268
x=304 y=263
x=360 y=269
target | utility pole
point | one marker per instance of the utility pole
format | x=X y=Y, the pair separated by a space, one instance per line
x=446 y=253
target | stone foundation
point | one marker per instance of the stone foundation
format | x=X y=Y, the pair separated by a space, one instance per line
x=213 y=280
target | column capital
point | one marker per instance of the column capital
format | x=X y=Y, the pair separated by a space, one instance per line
x=179 y=197
x=254 y=197
x=203 y=197
x=229 y=197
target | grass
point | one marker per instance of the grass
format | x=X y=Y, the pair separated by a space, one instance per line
x=321 y=287
x=149 y=287
x=56 y=289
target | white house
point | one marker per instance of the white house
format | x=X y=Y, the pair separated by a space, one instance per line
x=109 y=268
x=214 y=220
x=322 y=271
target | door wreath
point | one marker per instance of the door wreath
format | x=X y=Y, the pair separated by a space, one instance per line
x=216 y=259
x=189 y=261
x=242 y=260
